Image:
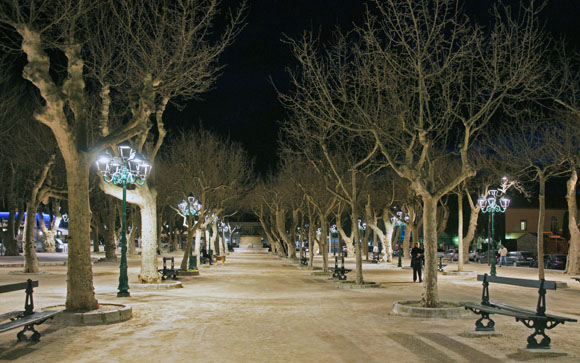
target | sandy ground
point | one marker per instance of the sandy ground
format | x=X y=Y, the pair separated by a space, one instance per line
x=265 y=309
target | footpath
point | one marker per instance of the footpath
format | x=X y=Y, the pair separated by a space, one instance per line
x=264 y=309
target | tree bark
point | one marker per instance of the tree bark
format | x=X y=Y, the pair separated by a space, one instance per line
x=474 y=213
x=460 y=246
x=145 y=198
x=430 y=297
x=573 y=262
x=30 y=258
x=80 y=290
x=542 y=212
x=358 y=251
x=324 y=243
x=95 y=237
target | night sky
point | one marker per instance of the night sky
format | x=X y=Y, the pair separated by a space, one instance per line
x=243 y=102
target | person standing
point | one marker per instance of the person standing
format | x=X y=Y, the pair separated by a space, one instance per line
x=503 y=256
x=417 y=261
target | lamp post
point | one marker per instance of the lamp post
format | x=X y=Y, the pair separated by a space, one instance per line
x=490 y=205
x=191 y=207
x=396 y=220
x=127 y=168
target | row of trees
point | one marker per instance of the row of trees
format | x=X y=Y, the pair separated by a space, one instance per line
x=421 y=97
x=393 y=116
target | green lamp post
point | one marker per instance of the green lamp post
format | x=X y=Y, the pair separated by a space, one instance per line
x=490 y=205
x=397 y=222
x=127 y=168
x=191 y=207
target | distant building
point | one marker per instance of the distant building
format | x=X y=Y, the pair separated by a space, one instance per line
x=521 y=224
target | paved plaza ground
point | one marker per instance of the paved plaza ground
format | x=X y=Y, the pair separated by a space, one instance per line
x=258 y=308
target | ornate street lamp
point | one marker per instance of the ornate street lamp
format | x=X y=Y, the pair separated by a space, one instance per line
x=490 y=205
x=129 y=168
x=191 y=207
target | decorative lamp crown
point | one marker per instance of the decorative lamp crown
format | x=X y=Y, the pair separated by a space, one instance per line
x=103 y=164
x=481 y=201
x=504 y=202
x=126 y=152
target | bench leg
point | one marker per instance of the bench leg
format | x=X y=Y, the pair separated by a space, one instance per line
x=489 y=326
x=35 y=337
x=539 y=329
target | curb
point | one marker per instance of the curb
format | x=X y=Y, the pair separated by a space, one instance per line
x=159 y=286
x=123 y=313
x=402 y=308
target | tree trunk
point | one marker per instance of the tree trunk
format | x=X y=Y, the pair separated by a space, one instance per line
x=214 y=238
x=30 y=258
x=324 y=243
x=348 y=241
x=573 y=263
x=358 y=251
x=405 y=246
x=311 y=239
x=197 y=249
x=145 y=198
x=542 y=212
x=9 y=236
x=430 y=297
x=109 y=234
x=80 y=290
x=188 y=244
x=131 y=251
x=460 y=246
x=474 y=213
x=95 y=237
x=281 y=227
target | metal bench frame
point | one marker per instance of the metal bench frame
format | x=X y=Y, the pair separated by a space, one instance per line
x=537 y=320
x=168 y=272
x=27 y=318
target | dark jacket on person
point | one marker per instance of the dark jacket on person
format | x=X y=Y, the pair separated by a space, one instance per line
x=416 y=256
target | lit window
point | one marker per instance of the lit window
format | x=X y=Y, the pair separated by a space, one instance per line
x=523 y=225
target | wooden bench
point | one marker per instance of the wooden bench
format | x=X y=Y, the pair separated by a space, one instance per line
x=168 y=272
x=27 y=318
x=219 y=258
x=537 y=320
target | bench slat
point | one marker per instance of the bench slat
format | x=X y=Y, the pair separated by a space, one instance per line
x=514 y=308
x=17 y=286
x=504 y=309
x=10 y=315
x=27 y=320
x=548 y=285
x=495 y=310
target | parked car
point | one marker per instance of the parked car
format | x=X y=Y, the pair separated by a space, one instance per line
x=472 y=255
x=481 y=257
x=556 y=261
x=520 y=258
x=451 y=254
x=60 y=245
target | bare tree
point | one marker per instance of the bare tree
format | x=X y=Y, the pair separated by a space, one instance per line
x=421 y=80
x=216 y=171
x=131 y=55
x=537 y=159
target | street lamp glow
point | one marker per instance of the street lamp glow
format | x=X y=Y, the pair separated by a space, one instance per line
x=491 y=206
x=123 y=170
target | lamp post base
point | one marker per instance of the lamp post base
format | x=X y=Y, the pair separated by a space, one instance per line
x=123 y=293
